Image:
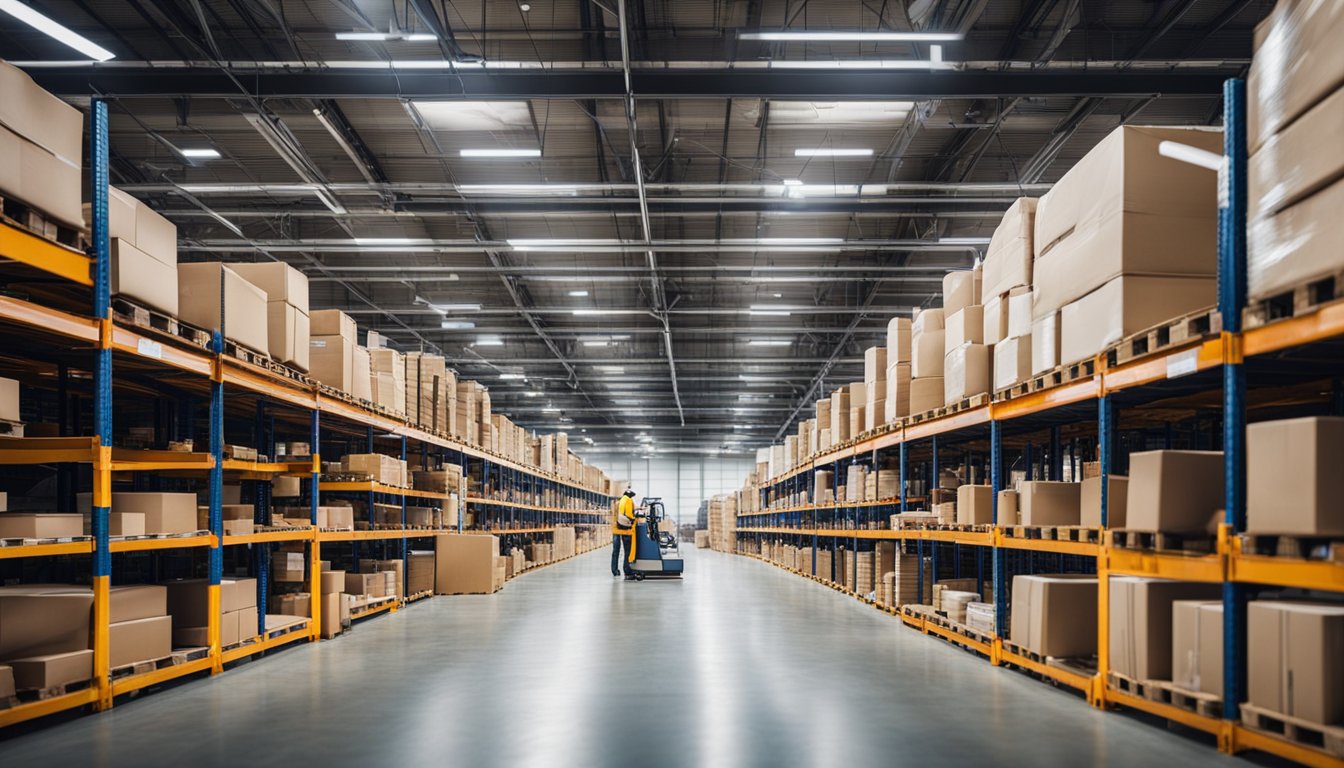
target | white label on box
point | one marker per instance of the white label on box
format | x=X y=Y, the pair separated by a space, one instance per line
x=149 y=348
x=1182 y=364
x=316 y=344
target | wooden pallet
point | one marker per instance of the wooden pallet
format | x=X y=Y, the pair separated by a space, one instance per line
x=292 y=628
x=141 y=667
x=250 y=356
x=958 y=527
x=186 y=655
x=1320 y=548
x=1163 y=337
x=160 y=536
x=1199 y=702
x=1160 y=541
x=17 y=542
x=1301 y=299
x=959 y=628
x=158 y=323
x=34 y=221
x=1076 y=533
x=56 y=691
x=1326 y=738
x=1064 y=374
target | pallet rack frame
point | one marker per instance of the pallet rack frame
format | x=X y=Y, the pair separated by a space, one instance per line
x=1234 y=569
x=104 y=336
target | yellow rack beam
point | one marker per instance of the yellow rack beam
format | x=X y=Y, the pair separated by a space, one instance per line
x=1212 y=725
x=136 y=682
x=368 y=485
x=250 y=649
x=265 y=537
x=27 y=248
x=47 y=550
x=146 y=545
x=36 y=709
x=1136 y=562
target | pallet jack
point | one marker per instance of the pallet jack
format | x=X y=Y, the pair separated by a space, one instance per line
x=652 y=545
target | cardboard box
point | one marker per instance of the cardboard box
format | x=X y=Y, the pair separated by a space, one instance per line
x=965 y=372
x=143 y=279
x=1296 y=245
x=927 y=360
x=44 y=619
x=165 y=513
x=1297 y=660
x=50 y=670
x=31 y=112
x=874 y=367
x=1140 y=623
x=40 y=525
x=43 y=180
x=1117 y=490
x=292 y=604
x=333 y=322
x=926 y=320
x=898 y=340
x=961 y=289
x=361 y=373
x=1197 y=645
x=9 y=400
x=1008 y=259
x=965 y=326
x=284 y=487
x=241 y=314
x=926 y=394
x=1302 y=159
x=974 y=505
x=237 y=594
x=1293 y=482
x=333 y=581
x=125 y=524
x=368 y=584
x=1007 y=511
x=1055 y=615
x=140 y=640
x=331 y=621
x=995 y=325
x=465 y=564
x=331 y=361
x=287 y=334
x=7 y=688
x=896 y=404
x=1045 y=344
x=1127 y=305
x=1047 y=502
x=1297 y=62
x=288 y=566
x=1019 y=312
x=280 y=281
x=1012 y=362
x=137 y=601
x=1174 y=491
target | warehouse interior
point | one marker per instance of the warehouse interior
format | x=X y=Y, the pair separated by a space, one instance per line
x=591 y=382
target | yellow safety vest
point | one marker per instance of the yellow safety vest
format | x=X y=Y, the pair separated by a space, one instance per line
x=623 y=521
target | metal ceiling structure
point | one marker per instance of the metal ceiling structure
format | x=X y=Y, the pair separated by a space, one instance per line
x=666 y=251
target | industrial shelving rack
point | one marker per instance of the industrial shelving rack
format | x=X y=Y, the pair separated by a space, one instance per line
x=1213 y=371
x=35 y=327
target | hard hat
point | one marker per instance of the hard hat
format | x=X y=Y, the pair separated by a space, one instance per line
x=630 y=492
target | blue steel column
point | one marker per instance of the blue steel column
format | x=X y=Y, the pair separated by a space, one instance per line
x=1231 y=300
x=102 y=402
x=217 y=475
x=405 y=557
x=1105 y=449
x=1056 y=456
x=1000 y=556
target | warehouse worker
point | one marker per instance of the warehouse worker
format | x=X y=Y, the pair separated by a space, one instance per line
x=623 y=532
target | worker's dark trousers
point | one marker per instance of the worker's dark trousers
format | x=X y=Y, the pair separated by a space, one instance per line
x=620 y=553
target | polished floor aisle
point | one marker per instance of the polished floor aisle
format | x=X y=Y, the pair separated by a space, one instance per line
x=740 y=664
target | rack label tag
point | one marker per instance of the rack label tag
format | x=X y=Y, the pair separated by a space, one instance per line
x=149 y=348
x=1182 y=364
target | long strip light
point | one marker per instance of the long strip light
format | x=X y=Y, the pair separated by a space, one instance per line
x=406 y=37
x=55 y=30
x=828 y=152
x=501 y=153
x=849 y=36
x=770 y=342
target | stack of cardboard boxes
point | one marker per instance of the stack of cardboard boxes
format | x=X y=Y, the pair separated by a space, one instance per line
x=42 y=140
x=467 y=564
x=331 y=348
x=431 y=396
x=388 y=368
x=144 y=253
x=188 y=604
x=926 y=361
x=897 y=399
x=965 y=356
x=213 y=296
x=1005 y=292
x=874 y=387
x=45 y=635
x=287 y=323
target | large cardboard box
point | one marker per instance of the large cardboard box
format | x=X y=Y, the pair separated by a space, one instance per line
x=331 y=361
x=927 y=320
x=333 y=618
x=287 y=334
x=1048 y=502
x=898 y=340
x=280 y=281
x=138 y=225
x=9 y=400
x=211 y=295
x=38 y=116
x=361 y=374
x=1297 y=659
x=965 y=372
x=1295 y=163
x=874 y=366
x=1019 y=312
x=165 y=513
x=1296 y=245
x=1140 y=623
x=370 y=584
x=961 y=289
x=1174 y=491
x=1007 y=511
x=7 y=688
x=965 y=326
x=143 y=279
x=333 y=322
x=40 y=525
x=840 y=405
x=140 y=640
x=1012 y=361
x=926 y=394
x=1293 y=482
x=51 y=670
x=44 y=619
x=37 y=177
x=137 y=601
x=995 y=325
x=896 y=405
x=927 y=360
x=1297 y=62
x=1197 y=645
x=1127 y=305
x=1008 y=259
x=288 y=567
x=1117 y=491
x=465 y=564
x=1055 y=615
x=975 y=504
x=1045 y=344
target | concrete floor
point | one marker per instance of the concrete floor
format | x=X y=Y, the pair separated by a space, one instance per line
x=739 y=664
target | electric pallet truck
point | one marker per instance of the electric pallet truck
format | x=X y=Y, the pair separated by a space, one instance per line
x=652 y=545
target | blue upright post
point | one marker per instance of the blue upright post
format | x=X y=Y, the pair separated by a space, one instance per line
x=905 y=466
x=261 y=510
x=405 y=556
x=1105 y=446
x=1056 y=455
x=217 y=471
x=934 y=481
x=1000 y=569
x=1231 y=301
x=101 y=505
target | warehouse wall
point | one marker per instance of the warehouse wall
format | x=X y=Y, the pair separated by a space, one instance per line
x=682 y=481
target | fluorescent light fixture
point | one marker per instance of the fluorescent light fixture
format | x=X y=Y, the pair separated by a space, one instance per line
x=792 y=240
x=615 y=369
x=457 y=325
x=550 y=409
x=532 y=393
x=768 y=313
x=489 y=341
x=55 y=30
x=828 y=152
x=456 y=307
x=963 y=241
x=501 y=153
x=512 y=377
x=390 y=241
x=770 y=342
x=578 y=294
x=386 y=37
x=747 y=377
x=597 y=343
x=529 y=244
x=851 y=36
x=200 y=153
x=599 y=312
x=793 y=182
x=478 y=116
